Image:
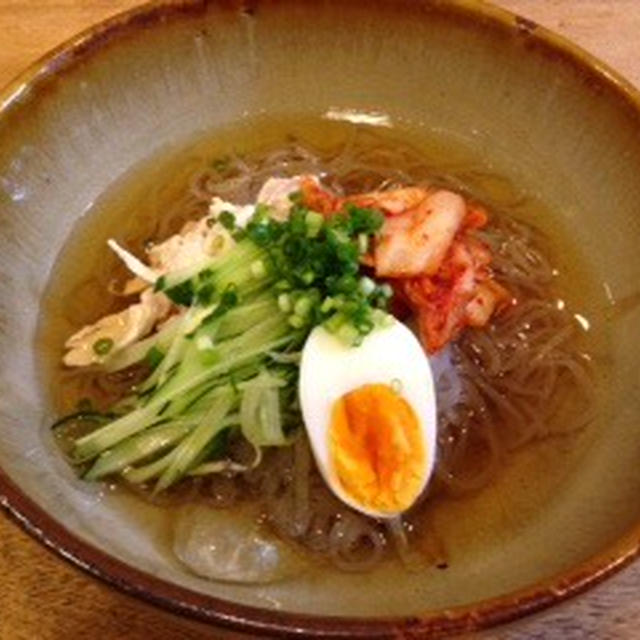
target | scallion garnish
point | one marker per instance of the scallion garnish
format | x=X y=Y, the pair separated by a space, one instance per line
x=229 y=360
x=103 y=346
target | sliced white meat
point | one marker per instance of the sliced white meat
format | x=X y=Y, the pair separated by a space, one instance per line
x=275 y=192
x=196 y=242
x=136 y=266
x=118 y=330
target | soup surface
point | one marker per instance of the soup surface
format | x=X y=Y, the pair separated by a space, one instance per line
x=517 y=400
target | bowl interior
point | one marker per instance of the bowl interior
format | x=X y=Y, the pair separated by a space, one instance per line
x=490 y=94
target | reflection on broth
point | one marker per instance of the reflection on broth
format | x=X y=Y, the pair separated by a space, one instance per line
x=514 y=396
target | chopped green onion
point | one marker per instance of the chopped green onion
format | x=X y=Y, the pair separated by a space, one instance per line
x=302 y=307
x=333 y=324
x=314 y=222
x=365 y=326
x=103 y=346
x=367 y=285
x=328 y=304
x=227 y=220
x=386 y=290
x=230 y=296
x=262 y=212
x=296 y=321
x=160 y=283
x=284 y=302
x=348 y=334
x=363 y=243
x=258 y=269
x=181 y=294
x=283 y=285
x=308 y=277
x=154 y=357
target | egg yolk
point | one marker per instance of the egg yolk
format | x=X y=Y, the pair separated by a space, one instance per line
x=376 y=447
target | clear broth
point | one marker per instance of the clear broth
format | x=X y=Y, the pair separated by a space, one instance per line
x=453 y=529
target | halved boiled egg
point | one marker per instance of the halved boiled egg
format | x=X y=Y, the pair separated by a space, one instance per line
x=370 y=415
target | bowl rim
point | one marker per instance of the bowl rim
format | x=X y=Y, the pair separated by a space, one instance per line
x=244 y=618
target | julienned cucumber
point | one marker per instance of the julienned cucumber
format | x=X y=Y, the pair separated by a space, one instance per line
x=227 y=365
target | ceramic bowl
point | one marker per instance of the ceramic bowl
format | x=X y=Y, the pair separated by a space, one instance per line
x=544 y=114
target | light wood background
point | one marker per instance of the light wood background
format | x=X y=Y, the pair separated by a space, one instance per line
x=43 y=598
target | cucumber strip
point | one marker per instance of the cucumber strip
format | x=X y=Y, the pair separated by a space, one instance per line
x=260 y=414
x=218 y=466
x=242 y=318
x=189 y=322
x=189 y=449
x=150 y=471
x=267 y=336
x=96 y=442
x=132 y=450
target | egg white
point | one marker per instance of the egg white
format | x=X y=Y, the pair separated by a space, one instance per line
x=329 y=369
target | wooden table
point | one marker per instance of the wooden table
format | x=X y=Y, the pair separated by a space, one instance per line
x=43 y=598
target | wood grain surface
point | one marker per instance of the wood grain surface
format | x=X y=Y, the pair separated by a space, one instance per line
x=43 y=598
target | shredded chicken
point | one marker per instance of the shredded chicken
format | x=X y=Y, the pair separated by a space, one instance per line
x=276 y=193
x=202 y=239
x=119 y=330
x=196 y=242
x=142 y=271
